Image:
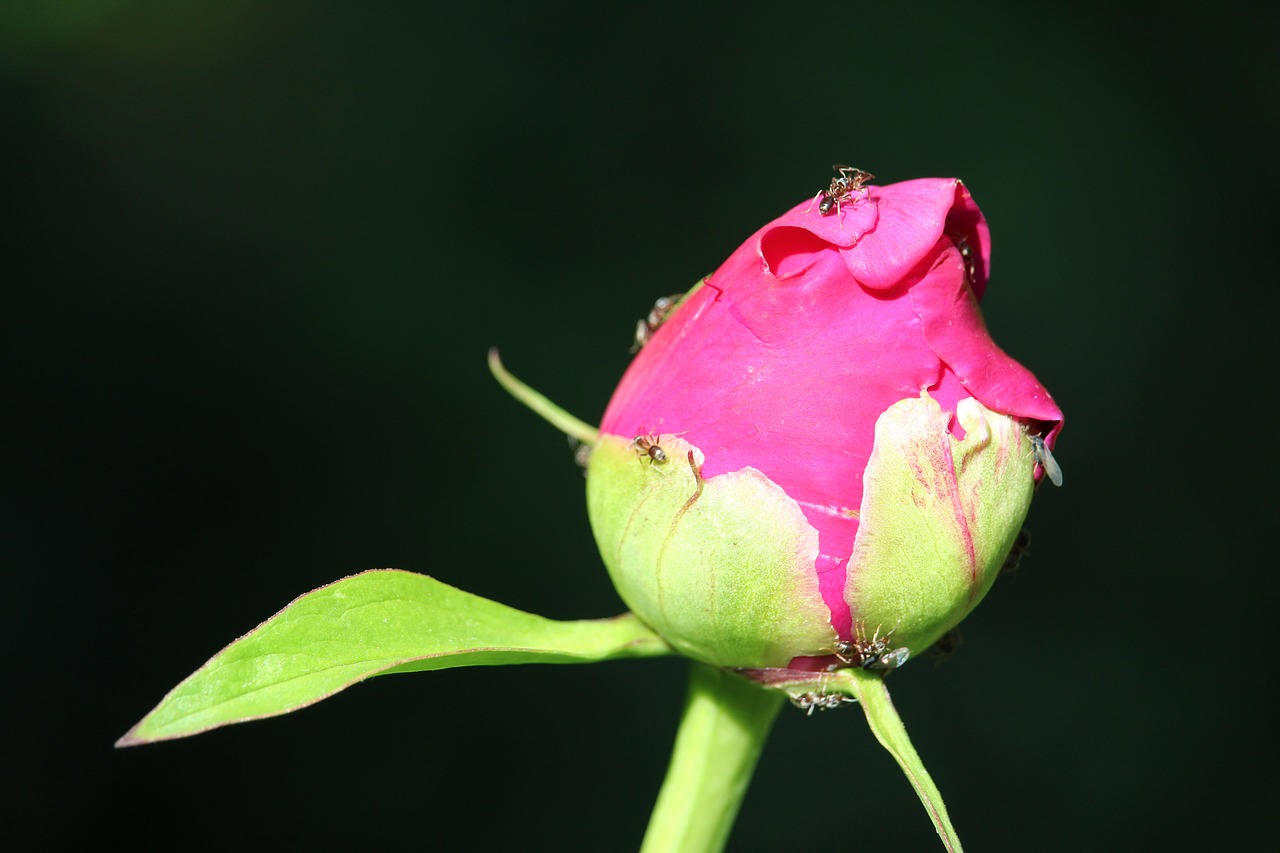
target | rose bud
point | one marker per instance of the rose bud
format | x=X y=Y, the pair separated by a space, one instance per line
x=820 y=458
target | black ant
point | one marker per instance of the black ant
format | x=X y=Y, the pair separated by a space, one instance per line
x=871 y=653
x=807 y=702
x=1021 y=547
x=945 y=646
x=846 y=186
x=967 y=258
x=662 y=309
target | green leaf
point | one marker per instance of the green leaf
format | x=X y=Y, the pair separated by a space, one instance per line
x=380 y=621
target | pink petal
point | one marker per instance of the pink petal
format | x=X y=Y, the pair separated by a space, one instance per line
x=954 y=329
x=912 y=215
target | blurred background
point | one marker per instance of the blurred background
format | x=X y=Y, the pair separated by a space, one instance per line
x=254 y=254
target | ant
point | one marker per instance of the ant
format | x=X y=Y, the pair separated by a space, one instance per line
x=871 y=654
x=822 y=701
x=662 y=309
x=1021 y=548
x=650 y=448
x=967 y=258
x=846 y=186
x=945 y=646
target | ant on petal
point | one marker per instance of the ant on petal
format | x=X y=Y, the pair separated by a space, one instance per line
x=846 y=186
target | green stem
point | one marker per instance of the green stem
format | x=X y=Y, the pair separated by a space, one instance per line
x=725 y=724
x=887 y=726
x=549 y=411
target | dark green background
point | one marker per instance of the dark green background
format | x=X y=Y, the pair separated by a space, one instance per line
x=253 y=255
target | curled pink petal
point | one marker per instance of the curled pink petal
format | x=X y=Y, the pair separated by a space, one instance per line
x=953 y=326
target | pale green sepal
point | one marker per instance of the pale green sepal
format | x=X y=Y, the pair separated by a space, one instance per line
x=869 y=689
x=822 y=691
x=549 y=411
x=938 y=517
x=372 y=623
x=722 y=568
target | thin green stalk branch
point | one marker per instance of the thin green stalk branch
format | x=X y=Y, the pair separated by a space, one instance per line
x=722 y=732
x=560 y=419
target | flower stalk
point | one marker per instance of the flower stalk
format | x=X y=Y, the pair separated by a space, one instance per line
x=723 y=729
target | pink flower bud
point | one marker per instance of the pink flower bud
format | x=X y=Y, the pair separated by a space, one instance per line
x=821 y=451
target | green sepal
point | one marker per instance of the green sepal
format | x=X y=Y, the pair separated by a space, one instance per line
x=869 y=689
x=938 y=517
x=722 y=568
x=376 y=622
x=826 y=690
